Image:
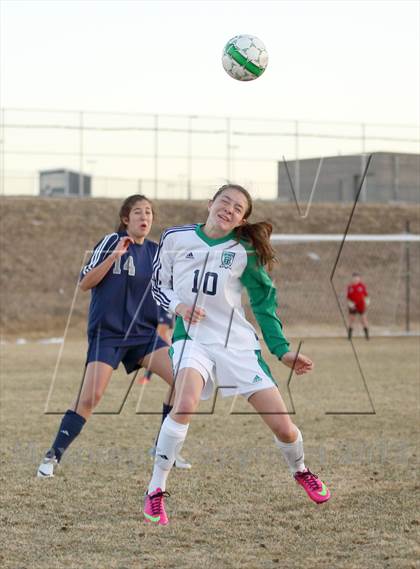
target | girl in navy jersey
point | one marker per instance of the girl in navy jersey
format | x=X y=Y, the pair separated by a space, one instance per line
x=123 y=324
x=200 y=272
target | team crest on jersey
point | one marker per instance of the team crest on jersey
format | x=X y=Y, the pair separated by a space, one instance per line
x=227 y=259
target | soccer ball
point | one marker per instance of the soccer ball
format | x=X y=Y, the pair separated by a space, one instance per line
x=245 y=58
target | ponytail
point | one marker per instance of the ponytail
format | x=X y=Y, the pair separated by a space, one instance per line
x=258 y=234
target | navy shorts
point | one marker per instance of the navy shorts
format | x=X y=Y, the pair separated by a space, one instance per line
x=130 y=356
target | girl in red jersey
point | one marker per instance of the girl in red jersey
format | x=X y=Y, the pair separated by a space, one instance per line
x=358 y=301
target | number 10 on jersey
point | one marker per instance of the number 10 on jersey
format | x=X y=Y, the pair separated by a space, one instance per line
x=209 y=282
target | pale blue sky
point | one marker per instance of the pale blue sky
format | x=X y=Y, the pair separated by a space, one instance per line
x=328 y=60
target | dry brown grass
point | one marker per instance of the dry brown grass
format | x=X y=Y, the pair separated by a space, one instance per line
x=43 y=241
x=238 y=507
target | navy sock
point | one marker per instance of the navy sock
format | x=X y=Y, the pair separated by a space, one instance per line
x=166 y=409
x=70 y=426
x=366 y=330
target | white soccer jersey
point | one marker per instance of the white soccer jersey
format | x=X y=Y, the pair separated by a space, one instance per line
x=193 y=269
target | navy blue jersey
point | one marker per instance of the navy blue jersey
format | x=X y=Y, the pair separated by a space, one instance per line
x=122 y=310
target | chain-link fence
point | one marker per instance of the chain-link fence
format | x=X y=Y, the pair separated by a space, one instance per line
x=168 y=156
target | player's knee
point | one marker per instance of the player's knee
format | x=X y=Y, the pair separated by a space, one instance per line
x=186 y=407
x=89 y=402
x=286 y=433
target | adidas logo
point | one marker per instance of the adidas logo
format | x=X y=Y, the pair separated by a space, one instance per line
x=256 y=379
x=189 y=256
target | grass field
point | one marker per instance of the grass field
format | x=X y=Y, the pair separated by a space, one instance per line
x=238 y=507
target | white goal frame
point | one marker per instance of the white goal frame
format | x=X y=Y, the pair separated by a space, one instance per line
x=312 y=237
x=405 y=270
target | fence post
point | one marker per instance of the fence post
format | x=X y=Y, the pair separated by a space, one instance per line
x=396 y=178
x=297 y=163
x=156 y=155
x=81 y=157
x=363 y=196
x=189 y=159
x=407 y=279
x=228 y=150
x=2 y=150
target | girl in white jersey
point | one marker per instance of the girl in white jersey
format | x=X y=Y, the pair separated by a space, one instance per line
x=199 y=274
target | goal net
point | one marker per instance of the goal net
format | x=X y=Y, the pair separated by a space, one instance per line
x=313 y=272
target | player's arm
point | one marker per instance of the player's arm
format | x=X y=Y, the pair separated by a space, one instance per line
x=102 y=259
x=367 y=299
x=164 y=332
x=263 y=298
x=350 y=301
x=162 y=282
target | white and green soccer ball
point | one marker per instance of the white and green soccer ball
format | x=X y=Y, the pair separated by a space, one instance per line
x=245 y=58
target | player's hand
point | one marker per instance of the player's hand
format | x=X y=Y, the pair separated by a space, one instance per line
x=164 y=332
x=351 y=305
x=367 y=301
x=298 y=362
x=189 y=314
x=122 y=246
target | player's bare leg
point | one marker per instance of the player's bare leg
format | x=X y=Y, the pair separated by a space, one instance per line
x=273 y=411
x=159 y=362
x=270 y=405
x=365 y=324
x=189 y=385
x=352 y=318
x=95 y=382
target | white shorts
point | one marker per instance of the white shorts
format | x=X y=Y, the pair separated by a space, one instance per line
x=233 y=372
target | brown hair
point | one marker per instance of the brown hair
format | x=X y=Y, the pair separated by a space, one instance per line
x=258 y=234
x=128 y=205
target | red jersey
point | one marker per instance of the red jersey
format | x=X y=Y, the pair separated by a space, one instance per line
x=357 y=293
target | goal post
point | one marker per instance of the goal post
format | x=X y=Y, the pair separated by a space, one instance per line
x=311 y=267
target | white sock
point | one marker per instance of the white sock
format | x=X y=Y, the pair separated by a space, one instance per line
x=293 y=453
x=171 y=438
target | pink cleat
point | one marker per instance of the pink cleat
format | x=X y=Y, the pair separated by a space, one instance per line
x=316 y=490
x=154 y=508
